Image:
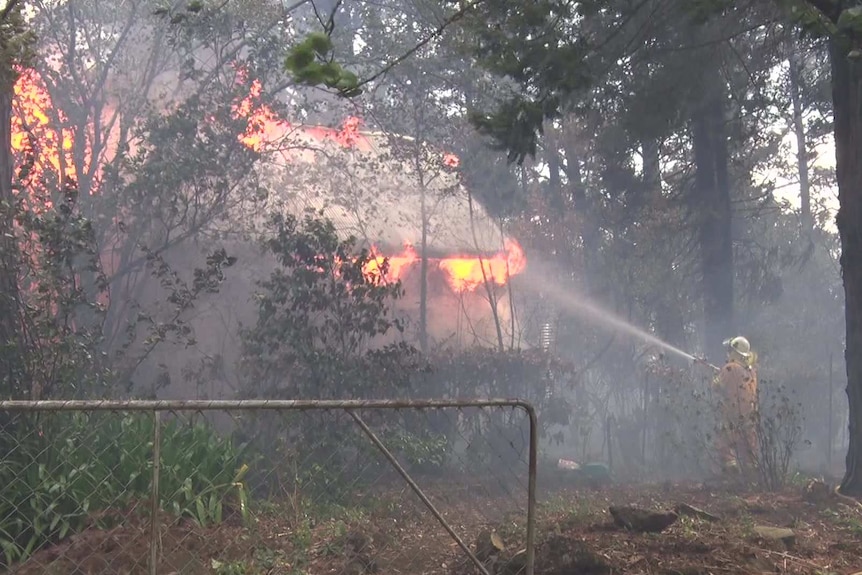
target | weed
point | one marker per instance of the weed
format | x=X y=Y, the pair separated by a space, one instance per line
x=688 y=527
x=851 y=522
x=232 y=568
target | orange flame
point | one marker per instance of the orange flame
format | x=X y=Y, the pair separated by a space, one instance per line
x=263 y=127
x=35 y=138
x=397 y=264
x=468 y=273
x=463 y=273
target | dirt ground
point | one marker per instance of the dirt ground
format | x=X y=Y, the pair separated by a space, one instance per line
x=576 y=535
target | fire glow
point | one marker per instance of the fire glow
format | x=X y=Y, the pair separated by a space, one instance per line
x=463 y=273
x=35 y=141
x=48 y=150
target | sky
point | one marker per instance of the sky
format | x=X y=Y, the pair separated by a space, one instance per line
x=786 y=189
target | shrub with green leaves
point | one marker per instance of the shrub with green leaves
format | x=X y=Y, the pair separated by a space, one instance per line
x=63 y=472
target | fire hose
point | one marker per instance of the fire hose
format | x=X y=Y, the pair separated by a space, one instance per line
x=702 y=361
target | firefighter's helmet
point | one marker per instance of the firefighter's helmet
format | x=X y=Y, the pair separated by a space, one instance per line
x=740 y=346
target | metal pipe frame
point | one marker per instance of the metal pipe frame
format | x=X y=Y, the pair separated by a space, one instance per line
x=350 y=405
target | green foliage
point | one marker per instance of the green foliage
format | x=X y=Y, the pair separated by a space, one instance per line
x=850 y=20
x=311 y=64
x=181 y=297
x=422 y=452
x=16 y=42
x=811 y=21
x=323 y=331
x=319 y=314
x=538 y=51
x=516 y=126
x=201 y=472
x=55 y=347
x=68 y=471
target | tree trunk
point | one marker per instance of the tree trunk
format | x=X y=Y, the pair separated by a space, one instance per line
x=670 y=323
x=847 y=106
x=714 y=218
x=801 y=147
x=586 y=214
x=652 y=169
x=11 y=358
x=423 y=274
x=555 y=181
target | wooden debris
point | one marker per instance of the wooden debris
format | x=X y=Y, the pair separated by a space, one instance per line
x=488 y=545
x=696 y=512
x=642 y=520
x=817 y=492
x=787 y=536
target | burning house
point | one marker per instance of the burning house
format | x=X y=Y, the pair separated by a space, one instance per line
x=400 y=197
x=403 y=199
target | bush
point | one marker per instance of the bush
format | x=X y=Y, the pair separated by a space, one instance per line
x=63 y=472
x=690 y=423
x=779 y=424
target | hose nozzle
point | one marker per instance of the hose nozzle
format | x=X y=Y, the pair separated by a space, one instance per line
x=702 y=361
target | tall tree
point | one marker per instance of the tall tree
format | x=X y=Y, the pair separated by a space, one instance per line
x=14 y=45
x=559 y=58
x=844 y=20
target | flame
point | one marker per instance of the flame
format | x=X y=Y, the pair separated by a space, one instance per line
x=468 y=273
x=463 y=273
x=44 y=139
x=263 y=126
x=397 y=264
x=34 y=138
x=265 y=129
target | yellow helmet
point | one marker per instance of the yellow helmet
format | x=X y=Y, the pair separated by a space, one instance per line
x=740 y=346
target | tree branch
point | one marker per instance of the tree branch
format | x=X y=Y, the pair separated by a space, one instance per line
x=422 y=43
x=7 y=10
x=829 y=8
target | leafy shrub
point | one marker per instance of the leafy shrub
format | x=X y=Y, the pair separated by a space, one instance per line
x=779 y=424
x=324 y=330
x=64 y=471
x=689 y=423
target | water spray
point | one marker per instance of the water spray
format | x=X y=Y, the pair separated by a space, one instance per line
x=578 y=304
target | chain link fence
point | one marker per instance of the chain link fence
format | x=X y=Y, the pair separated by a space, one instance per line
x=279 y=487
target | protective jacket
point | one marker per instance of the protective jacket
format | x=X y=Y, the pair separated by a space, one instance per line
x=736 y=388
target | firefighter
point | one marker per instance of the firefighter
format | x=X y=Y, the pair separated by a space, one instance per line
x=736 y=387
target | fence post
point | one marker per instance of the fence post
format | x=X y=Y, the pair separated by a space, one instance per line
x=531 y=488
x=830 y=442
x=154 y=512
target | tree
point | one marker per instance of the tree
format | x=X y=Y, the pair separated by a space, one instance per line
x=155 y=147
x=679 y=83
x=14 y=42
x=844 y=18
x=844 y=21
